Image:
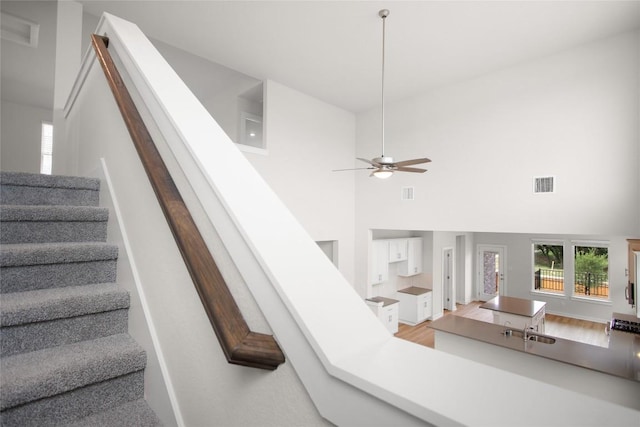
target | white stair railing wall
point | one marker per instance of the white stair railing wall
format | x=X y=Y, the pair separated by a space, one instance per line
x=353 y=370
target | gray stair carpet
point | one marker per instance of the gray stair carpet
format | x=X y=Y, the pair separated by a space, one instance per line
x=65 y=355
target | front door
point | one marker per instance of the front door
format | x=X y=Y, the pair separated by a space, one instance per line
x=491 y=267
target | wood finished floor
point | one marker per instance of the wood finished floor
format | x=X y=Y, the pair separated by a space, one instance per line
x=559 y=326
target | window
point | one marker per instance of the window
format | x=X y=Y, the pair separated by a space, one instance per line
x=591 y=265
x=548 y=267
x=46 y=150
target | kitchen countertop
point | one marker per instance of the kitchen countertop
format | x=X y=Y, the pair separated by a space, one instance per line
x=621 y=358
x=414 y=290
x=519 y=306
x=385 y=301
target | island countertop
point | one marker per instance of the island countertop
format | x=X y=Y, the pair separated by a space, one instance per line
x=518 y=306
x=385 y=301
x=620 y=359
x=414 y=290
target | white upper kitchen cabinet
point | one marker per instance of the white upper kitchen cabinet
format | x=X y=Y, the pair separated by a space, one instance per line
x=413 y=263
x=397 y=250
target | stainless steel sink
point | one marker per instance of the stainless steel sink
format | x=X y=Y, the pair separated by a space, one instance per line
x=531 y=336
x=542 y=338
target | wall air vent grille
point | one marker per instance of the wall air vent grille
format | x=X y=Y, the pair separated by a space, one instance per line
x=544 y=184
x=407 y=193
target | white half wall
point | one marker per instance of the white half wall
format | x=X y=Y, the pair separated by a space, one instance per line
x=199 y=379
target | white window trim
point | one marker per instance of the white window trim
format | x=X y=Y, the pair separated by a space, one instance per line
x=583 y=298
x=554 y=242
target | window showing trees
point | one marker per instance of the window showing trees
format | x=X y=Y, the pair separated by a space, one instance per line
x=591 y=266
x=548 y=270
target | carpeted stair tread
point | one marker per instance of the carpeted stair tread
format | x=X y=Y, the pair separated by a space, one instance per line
x=65 y=355
x=27 y=337
x=17 y=188
x=63 y=409
x=53 y=213
x=137 y=413
x=49 y=181
x=22 y=254
x=48 y=304
x=30 y=376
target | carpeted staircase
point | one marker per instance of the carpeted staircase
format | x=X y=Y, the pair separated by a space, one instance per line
x=66 y=356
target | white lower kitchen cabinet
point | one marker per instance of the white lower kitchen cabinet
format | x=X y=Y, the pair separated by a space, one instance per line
x=416 y=305
x=387 y=310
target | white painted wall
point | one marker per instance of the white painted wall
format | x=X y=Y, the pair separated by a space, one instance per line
x=20 y=136
x=464 y=268
x=573 y=115
x=306 y=140
x=25 y=108
x=67 y=64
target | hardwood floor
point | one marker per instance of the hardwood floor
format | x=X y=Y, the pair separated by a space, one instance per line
x=559 y=326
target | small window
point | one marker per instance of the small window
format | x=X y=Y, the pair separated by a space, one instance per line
x=548 y=267
x=46 y=150
x=591 y=265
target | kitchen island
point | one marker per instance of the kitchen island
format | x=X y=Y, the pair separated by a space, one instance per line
x=519 y=312
x=611 y=374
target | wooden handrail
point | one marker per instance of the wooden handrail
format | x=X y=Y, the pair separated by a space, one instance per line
x=241 y=346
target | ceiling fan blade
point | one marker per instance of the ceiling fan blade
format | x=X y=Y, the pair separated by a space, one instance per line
x=351 y=169
x=406 y=169
x=412 y=162
x=371 y=162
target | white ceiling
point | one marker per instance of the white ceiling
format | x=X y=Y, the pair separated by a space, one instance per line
x=332 y=49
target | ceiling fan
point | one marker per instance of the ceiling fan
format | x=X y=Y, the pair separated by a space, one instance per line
x=384 y=166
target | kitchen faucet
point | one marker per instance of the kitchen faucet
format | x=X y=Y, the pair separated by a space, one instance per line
x=507 y=331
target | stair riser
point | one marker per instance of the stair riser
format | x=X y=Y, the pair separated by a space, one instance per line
x=78 y=403
x=23 y=195
x=27 y=278
x=49 y=232
x=39 y=335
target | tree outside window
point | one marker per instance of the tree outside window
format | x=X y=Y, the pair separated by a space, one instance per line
x=548 y=271
x=591 y=265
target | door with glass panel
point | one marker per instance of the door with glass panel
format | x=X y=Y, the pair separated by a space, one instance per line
x=491 y=267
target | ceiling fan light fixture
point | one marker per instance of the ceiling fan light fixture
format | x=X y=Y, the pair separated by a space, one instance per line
x=384 y=166
x=382 y=173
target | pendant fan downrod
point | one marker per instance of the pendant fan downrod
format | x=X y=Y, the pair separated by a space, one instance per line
x=384 y=166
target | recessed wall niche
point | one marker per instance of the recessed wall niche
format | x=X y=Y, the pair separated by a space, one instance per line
x=250 y=113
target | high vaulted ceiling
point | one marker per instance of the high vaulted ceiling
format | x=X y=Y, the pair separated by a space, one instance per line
x=332 y=49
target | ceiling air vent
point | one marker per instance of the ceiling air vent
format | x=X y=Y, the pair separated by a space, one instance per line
x=407 y=193
x=544 y=184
